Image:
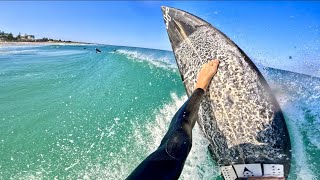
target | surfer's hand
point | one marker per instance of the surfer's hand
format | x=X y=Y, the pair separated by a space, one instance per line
x=206 y=73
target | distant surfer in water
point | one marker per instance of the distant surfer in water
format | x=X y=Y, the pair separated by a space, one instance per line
x=97 y=50
x=168 y=160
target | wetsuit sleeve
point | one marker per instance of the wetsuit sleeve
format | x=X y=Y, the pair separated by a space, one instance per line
x=178 y=138
x=168 y=160
x=189 y=110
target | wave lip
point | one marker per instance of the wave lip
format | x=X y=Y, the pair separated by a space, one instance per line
x=163 y=61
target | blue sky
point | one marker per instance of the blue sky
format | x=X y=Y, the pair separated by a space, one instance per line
x=267 y=30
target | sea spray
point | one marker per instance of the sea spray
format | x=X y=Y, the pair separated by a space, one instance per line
x=199 y=164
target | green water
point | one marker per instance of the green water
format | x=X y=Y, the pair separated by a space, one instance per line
x=60 y=114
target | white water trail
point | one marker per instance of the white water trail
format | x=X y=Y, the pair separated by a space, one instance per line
x=199 y=164
x=294 y=117
x=303 y=168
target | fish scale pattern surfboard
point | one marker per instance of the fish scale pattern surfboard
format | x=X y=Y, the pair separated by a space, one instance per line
x=239 y=116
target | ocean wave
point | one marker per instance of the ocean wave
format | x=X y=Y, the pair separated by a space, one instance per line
x=297 y=94
x=153 y=59
x=60 y=52
x=40 y=52
x=21 y=46
x=17 y=52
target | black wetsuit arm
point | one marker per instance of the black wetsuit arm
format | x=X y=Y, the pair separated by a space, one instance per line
x=187 y=114
x=168 y=160
x=191 y=106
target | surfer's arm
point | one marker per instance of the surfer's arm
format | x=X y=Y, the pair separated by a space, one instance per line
x=186 y=116
x=189 y=110
x=168 y=160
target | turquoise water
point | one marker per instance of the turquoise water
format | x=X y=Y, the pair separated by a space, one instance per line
x=69 y=113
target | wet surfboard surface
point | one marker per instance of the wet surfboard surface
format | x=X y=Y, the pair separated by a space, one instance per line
x=238 y=115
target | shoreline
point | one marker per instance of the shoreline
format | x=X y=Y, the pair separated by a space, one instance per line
x=42 y=43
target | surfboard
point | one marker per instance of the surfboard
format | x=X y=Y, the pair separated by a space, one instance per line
x=239 y=115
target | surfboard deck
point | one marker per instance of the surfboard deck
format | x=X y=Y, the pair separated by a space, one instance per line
x=239 y=115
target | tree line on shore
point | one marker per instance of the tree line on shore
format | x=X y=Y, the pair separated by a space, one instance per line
x=9 y=37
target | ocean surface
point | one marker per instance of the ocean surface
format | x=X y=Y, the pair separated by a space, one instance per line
x=69 y=113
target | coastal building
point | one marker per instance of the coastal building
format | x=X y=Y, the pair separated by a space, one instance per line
x=9 y=37
x=27 y=37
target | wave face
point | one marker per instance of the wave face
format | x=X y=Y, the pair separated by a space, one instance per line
x=67 y=112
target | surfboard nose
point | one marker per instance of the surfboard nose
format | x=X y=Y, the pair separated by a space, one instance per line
x=163 y=8
x=166 y=16
x=179 y=24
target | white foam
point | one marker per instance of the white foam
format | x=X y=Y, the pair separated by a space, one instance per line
x=199 y=164
x=292 y=97
x=15 y=51
x=162 y=61
x=163 y=118
x=303 y=168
